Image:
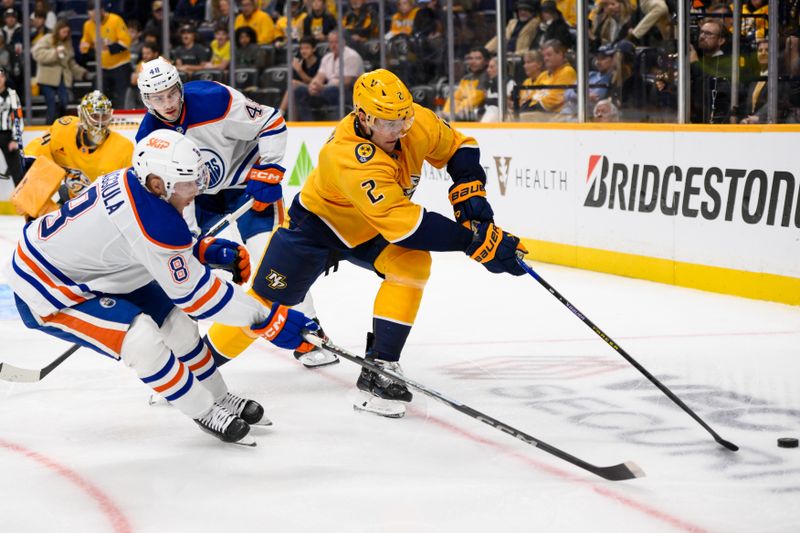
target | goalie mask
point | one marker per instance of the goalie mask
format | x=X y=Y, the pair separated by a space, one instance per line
x=174 y=158
x=95 y=112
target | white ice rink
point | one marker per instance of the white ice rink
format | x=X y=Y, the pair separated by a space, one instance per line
x=83 y=451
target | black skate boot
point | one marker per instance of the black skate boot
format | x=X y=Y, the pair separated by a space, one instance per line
x=379 y=385
x=248 y=410
x=224 y=425
x=316 y=357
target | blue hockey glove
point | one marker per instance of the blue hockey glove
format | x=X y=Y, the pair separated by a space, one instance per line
x=264 y=184
x=226 y=255
x=495 y=249
x=284 y=328
x=469 y=202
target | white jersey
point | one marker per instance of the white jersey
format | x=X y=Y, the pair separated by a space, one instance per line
x=232 y=131
x=113 y=239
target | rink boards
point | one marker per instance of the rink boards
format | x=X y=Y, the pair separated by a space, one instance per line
x=710 y=208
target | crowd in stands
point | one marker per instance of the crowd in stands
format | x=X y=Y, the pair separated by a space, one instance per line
x=631 y=43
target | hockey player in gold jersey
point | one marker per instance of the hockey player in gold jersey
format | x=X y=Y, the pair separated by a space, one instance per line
x=356 y=206
x=83 y=146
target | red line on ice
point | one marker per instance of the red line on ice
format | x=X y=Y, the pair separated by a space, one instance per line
x=118 y=521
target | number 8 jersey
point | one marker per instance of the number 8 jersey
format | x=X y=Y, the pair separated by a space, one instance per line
x=113 y=239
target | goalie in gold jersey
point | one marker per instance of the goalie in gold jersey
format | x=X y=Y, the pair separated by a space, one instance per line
x=83 y=146
x=356 y=206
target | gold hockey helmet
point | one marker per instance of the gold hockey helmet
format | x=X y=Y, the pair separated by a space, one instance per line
x=95 y=112
x=385 y=100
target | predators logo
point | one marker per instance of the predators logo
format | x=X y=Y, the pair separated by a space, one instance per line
x=364 y=152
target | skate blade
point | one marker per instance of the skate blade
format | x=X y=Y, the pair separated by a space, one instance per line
x=246 y=441
x=155 y=399
x=368 y=403
x=264 y=422
x=318 y=358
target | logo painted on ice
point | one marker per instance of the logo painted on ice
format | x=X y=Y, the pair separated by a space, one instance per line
x=216 y=166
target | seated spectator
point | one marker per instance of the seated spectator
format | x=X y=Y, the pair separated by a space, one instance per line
x=258 y=20
x=319 y=22
x=304 y=68
x=403 y=19
x=552 y=26
x=148 y=52
x=612 y=23
x=56 y=69
x=43 y=7
x=491 y=106
x=155 y=23
x=558 y=72
x=298 y=18
x=248 y=53
x=135 y=31
x=533 y=65
x=520 y=31
x=220 y=49
x=190 y=11
x=654 y=23
x=360 y=22
x=710 y=75
x=13 y=30
x=605 y=111
x=190 y=56
x=569 y=9
x=38 y=29
x=323 y=89
x=753 y=110
x=470 y=94
x=601 y=77
x=217 y=11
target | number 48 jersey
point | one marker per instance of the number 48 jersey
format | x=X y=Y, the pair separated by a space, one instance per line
x=113 y=239
x=232 y=131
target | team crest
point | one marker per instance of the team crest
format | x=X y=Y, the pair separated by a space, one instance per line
x=364 y=152
x=216 y=166
x=108 y=303
x=276 y=280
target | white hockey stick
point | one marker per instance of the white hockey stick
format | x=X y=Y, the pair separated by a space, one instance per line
x=9 y=372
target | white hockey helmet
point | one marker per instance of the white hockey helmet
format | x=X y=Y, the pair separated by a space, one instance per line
x=172 y=157
x=156 y=76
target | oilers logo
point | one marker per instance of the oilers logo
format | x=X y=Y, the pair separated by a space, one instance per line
x=108 y=303
x=364 y=152
x=215 y=165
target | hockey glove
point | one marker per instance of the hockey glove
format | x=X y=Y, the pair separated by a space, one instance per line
x=469 y=202
x=285 y=327
x=226 y=255
x=495 y=249
x=75 y=182
x=264 y=185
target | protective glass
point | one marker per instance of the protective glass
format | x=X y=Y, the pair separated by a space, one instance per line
x=399 y=126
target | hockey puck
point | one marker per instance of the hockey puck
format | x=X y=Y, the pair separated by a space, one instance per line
x=787 y=442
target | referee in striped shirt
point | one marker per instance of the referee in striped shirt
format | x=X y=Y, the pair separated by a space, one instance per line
x=10 y=129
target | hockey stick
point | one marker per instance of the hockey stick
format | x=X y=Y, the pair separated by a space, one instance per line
x=10 y=372
x=600 y=333
x=622 y=471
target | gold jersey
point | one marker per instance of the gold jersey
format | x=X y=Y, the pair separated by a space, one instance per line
x=360 y=191
x=62 y=145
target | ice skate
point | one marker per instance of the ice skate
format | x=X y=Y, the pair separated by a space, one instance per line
x=226 y=426
x=379 y=394
x=249 y=410
x=316 y=357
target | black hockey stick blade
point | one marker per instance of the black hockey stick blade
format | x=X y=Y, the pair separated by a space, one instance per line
x=600 y=333
x=619 y=472
x=26 y=375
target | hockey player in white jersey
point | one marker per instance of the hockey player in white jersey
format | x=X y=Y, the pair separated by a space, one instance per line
x=243 y=144
x=116 y=270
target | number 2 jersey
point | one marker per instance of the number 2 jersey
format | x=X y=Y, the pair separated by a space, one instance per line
x=113 y=239
x=232 y=131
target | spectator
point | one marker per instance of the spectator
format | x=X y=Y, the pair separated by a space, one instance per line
x=10 y=129
x=361 y=24
x=568 y=8
x=319 y=22
x=558 y=72
x=429 y=30
x=710 y=75
x=520 y=31
x=599 y=80
x=190 y=11
x=38 y=28
x=56 y=69
x=470 y=94
x=149 y=52
x=13 y=30
x=605 y=111
x=304 y=68
x=43 y=7
x=220 y=49
x=258 y=20
x=135 y=31
x=298 y=18
x=323 y=89
x=754 y=108
x=8 y=59
x=190 y=56
x=248 y=53
x=155 y=23
x=491 y=111
x=552 y=26
x=115 y=56
x=403 y=19
x=613 y=23
x=654 y=23
x=533 y=65
x=754 y=28
x=218 y=11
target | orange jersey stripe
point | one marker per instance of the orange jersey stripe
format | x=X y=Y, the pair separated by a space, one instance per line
x=279 y=122
x=110 y=338
x=202 y=363
x=173 y=381
x=139 y=221
x=46 y=279
x=205 y=298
